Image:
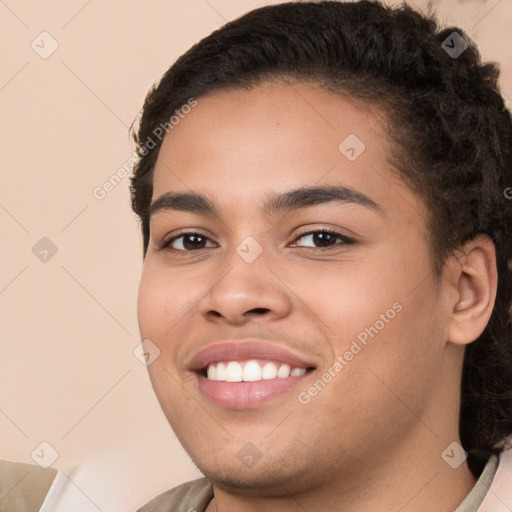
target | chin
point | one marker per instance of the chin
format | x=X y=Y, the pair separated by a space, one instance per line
x=257 y=481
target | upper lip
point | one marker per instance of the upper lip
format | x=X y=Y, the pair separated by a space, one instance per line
x=242 y=350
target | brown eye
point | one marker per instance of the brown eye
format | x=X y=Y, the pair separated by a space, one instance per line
x=187 y=242
x=323 y=239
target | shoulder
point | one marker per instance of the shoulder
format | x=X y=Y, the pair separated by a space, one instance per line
x=499 y=497
x=23 y=487
x=190 y=496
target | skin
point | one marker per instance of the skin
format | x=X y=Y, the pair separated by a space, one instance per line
x=372 y=439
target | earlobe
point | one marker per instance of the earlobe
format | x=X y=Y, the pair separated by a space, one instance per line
x=475 y=283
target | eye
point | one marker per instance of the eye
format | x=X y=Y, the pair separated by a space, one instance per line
x=323 y=239
x=187 y=242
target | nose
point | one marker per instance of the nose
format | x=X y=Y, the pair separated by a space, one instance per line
x=245 y=292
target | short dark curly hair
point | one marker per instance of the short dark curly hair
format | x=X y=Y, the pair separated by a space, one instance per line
x=452 y=139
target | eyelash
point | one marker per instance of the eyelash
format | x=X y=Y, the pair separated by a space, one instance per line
x=165 y=245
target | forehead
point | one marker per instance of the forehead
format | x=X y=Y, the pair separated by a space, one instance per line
x=238 y=145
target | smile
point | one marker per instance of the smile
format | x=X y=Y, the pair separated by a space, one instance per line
x=242 y=374
x=251 y=371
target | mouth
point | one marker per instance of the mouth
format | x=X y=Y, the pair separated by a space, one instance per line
x=245 y=375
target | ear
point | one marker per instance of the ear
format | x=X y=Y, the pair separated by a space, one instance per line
x=473 y=280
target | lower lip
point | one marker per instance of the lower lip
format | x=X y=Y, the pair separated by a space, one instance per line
x=246 y=395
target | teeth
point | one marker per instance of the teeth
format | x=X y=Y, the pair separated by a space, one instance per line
x=284 y=371
x=269 y=371
x=221 y=372
x=251 y=371
x=234 y=372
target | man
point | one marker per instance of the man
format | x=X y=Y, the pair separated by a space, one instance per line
x=323 y=193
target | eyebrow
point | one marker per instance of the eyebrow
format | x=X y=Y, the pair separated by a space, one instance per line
x=303 y=197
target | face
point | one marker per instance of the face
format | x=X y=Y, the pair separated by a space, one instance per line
x=334 y=285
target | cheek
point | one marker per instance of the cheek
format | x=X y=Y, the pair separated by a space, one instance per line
x=383 y=325
x=158 y=302
x=401 y=360
x=346 y=299
x=162 y=304
x=364 y=394
x=154 y=321
x=146 y=303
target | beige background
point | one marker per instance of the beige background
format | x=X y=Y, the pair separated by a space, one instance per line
x=68 y=375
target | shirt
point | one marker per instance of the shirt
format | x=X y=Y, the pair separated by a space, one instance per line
x=23 y=487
